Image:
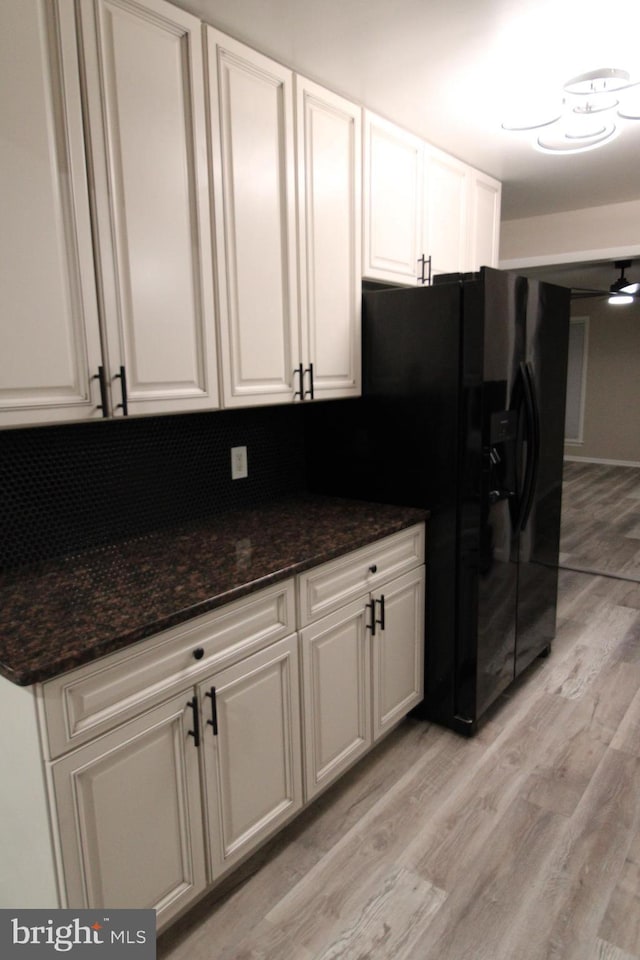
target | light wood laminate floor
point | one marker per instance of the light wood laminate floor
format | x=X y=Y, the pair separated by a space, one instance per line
x=601 y=519
x=522 y=843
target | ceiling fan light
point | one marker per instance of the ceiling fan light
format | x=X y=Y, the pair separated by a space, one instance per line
x=619 y=299
x=620 y=285
x=630 y=288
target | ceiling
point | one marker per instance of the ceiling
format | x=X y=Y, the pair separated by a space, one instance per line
x=446 y=69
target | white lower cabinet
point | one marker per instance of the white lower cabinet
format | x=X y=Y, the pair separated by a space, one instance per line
x=398 y=650
x=153 y=771
x=130 y=815
x=250 y=748
x=362 y=664
x=336 y=670
x=173 y=759
x=130 y=808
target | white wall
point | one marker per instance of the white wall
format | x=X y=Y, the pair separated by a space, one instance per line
x=595 y=233
x=612 y=394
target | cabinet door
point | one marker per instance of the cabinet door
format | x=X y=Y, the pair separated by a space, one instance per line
x=392 y=201
x=336 y=681
x=251 y=750
x=130 y=815
x=147 y=124
x=484 y=221
x=252 y=152
x=446 y=190
x=398 y=650
x=329 y=211
x=49 y=337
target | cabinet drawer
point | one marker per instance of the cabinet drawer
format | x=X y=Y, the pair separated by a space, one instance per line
x=327 y=587
x=88 y=701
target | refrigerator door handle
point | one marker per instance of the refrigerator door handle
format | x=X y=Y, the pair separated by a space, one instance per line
x=532 y=420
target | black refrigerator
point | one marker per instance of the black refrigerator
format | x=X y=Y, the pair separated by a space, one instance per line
x=463 y=413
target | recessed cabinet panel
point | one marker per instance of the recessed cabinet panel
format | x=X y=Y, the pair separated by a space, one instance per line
x=398 y=650
x=336 y=694
x=145 y=92
x=251 y=104
x=49 y=340
x=392 y=201
x=253 y=760
x=484 y=234
x=329 y=198
x=446 y=190
x=130 y=815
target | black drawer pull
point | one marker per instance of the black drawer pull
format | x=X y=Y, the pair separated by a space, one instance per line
x=198 y=653
x=380 y=622
x=373 y=568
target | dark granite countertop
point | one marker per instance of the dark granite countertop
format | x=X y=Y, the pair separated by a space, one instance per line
x=78 y=608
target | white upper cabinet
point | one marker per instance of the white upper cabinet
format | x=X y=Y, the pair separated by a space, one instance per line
x=425 y=212
x=329 y=141
x=147 y=130
x=484 y=217
x=49 y=334
x=393 y=162
x=167 y=201
x=445 y=211
x=252 y=155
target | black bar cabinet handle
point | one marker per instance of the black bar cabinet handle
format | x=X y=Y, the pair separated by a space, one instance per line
x=425 y=262
x=195 y=733
x=372 y=625
x=300 y=372
x=122 y=377
x=309 y=393
x=380 y=622
x=103 y=405
x=214 y=711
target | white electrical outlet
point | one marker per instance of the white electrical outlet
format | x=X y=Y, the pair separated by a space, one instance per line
x=239 y=467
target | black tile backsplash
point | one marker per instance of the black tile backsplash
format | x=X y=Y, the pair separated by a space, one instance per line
x=77 y=486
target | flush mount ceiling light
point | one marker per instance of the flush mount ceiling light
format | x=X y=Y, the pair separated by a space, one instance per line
x=590 y=111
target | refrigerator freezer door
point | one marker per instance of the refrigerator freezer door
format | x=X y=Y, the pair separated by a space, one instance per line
x=493 y=341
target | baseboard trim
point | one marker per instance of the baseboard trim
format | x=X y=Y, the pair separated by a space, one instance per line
x=609 y=463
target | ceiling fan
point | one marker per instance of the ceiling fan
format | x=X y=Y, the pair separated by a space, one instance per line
x=621 y=291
